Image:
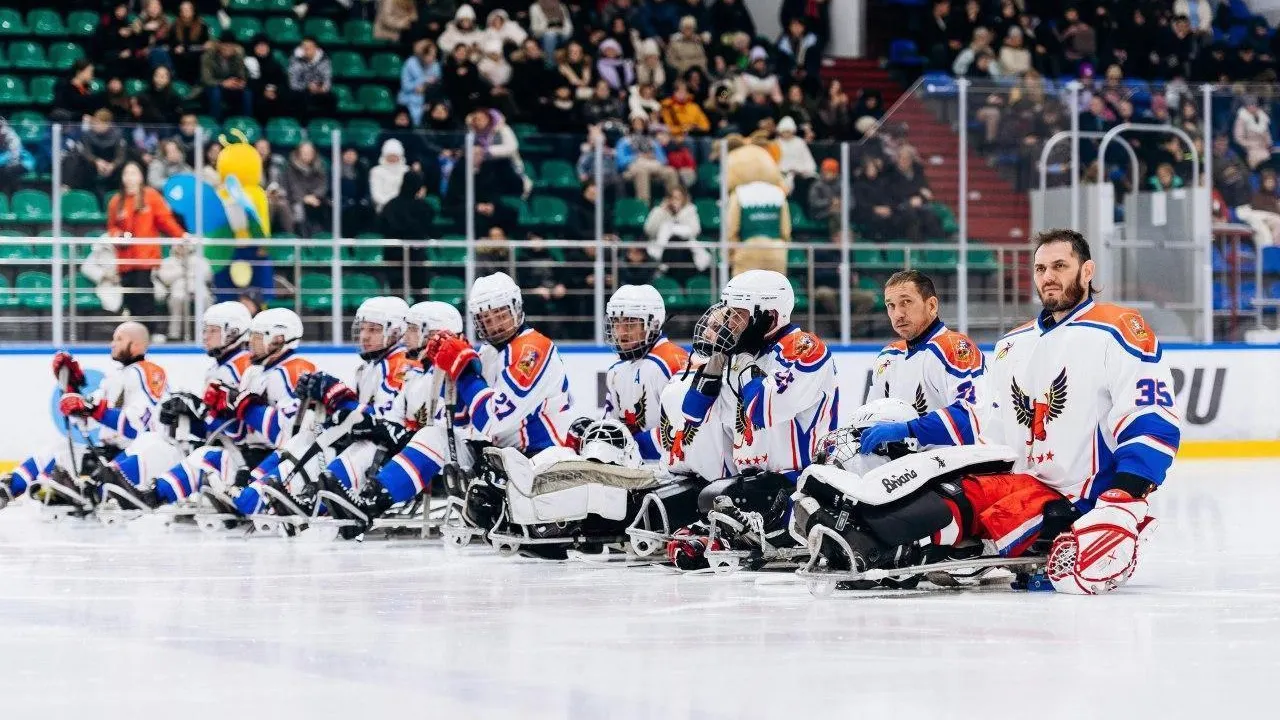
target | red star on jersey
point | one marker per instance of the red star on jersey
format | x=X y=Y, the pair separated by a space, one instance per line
x=1048 y=455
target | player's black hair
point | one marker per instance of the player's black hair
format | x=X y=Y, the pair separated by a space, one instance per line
x=923 y=283
x=1079 y=246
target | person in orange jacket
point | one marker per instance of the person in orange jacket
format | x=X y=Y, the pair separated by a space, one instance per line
x=139 y=212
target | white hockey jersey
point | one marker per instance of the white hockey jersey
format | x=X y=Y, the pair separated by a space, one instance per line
x=939 y=374
x=379 y=382
x=789 y=400
x=633 y=392
x=268 y=424
x=522 y=399
x=132 y=395
x=1082 y=400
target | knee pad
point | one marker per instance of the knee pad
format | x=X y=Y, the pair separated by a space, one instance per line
x=907 y=520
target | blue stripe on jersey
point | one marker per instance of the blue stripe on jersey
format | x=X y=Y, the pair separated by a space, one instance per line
x=1124 y=344
x=951 y=369
x=539 y=437
x=1153 y=426
x=1145 y=462
x=647 y=440
x=515 y=386
x=695 y=405
x=662 y=365
x=398 y=479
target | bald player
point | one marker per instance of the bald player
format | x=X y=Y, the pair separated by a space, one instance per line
x=120 y=409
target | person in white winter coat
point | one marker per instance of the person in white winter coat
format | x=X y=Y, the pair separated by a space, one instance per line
x=498 y=26
x=387 y=176
x=176 y=280
x=675 y=222
x=493 y=65
x=461 y=31
x=1252 y=131
x=551 y=24
x=795 y=159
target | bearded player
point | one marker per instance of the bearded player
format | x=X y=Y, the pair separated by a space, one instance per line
x=1084 y=397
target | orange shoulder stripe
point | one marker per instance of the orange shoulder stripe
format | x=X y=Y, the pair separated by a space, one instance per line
x=528 y=355
x=296 y=367
x=672 y=355
x=803 y=347
x=960 y=352
x=154 y=379
x=1128 y=322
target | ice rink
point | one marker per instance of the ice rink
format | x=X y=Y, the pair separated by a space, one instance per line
x=147 y=622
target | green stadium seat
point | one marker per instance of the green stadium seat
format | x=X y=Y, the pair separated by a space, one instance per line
x=62 y=55
x=385 y=66
x=46 y=23
x=347 y=103
x=31 y=128
x=559 y=175
x=549 y=210
x=349 y=65
x=358 y=287
x=364 y=254
x=215 y=27
x=27 y=55
x=209 y=125
x=32 y=206
x=81 y=206
x=285 y=31
x=360 y=34
x=247 y=125
x=34 y=289
x=11 y=23
x=316 y=291
x=323 y=30
x=672 y=293
x=82 y=23
x=243 y=29
x=4 y=60
x=448 y=288
x=244 y=6
x=42 y=89
x=866 y=259
x=317 y=253
x=283 y=132
x=362 y=134
x=708 y=214
x=5 y=214
x=697 y=292
x=7 y=298
x=376 y=99
x=797 y=257
x=801 y=223
x=320 y=131
x=983 y=260
x=709 y=178
x=932 y=259
x=278 y=7
x=895 y=258
x=448 y=254
x=282 y=250
x=524 y=131
x=135 y=86
x=629 y=214
x=86 y=297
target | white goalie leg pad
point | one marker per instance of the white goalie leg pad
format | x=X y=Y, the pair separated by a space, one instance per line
x=1100 y=551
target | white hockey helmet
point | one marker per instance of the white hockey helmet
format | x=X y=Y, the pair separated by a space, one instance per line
x=840 y=448
x=232 y=320
x=489 y=296
x=608 y=441
x=634 y=302
x=427 y=317
x=753 y=306
x=273 y=332
x=386 y=312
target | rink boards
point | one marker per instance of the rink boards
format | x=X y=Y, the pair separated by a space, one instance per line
x=1227 y=395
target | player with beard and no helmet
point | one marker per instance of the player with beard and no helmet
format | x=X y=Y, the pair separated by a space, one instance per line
x=1083 y=397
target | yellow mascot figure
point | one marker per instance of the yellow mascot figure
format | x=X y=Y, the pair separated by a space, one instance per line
x=758 y=215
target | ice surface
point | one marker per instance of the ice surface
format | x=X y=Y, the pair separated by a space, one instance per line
x=145 y=622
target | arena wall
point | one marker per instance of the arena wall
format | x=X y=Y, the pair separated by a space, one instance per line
x=1227 y=395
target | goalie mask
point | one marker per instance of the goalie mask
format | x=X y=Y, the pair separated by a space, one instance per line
x=428 y=317
x=272 y=333
x=753 y=307
x=840 y=448
x=609 y=442
x=224 y=326
x=379 y=326
x=634 y=318
x=496 y=308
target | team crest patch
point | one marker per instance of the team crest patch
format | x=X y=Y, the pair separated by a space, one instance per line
x=1135 y=326
x=882 y=366
x=1003 y=350
x=804 y=345
x=964 y=351
x=527 y=363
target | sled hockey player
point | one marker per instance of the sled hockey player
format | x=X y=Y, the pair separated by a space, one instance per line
x=355 y=436
x=513 y=393
x=934 y=369
x=768 y=390
x=244 y=422
x=420 y=402
x=1083 y=399
x=122 y=408
x=182 y=417
x=647 y=361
